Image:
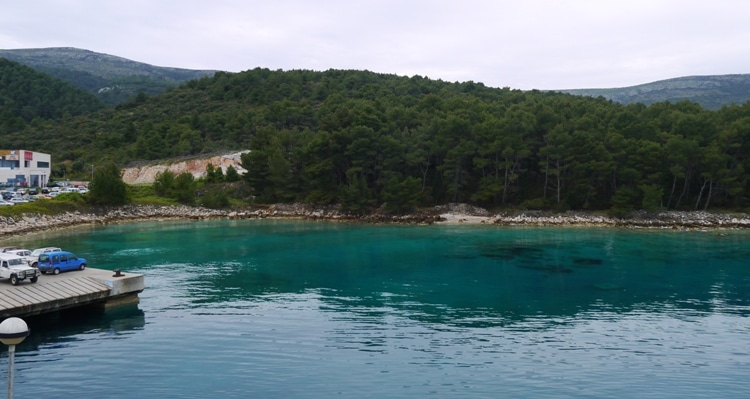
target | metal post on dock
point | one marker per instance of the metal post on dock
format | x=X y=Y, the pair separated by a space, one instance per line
x=12 y=332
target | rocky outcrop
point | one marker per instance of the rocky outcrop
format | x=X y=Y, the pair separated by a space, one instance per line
x=453 y=213
x=30 y=223
x=197 y=167
x=673 y=220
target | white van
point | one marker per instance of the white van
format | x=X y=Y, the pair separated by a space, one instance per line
x=35 y=253
x=24 y=254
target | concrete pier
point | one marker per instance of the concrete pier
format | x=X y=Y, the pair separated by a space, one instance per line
x=68 y=290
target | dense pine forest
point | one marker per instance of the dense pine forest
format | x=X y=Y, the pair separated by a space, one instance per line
x=110 y=78
x=366 y=140
x=26 y=96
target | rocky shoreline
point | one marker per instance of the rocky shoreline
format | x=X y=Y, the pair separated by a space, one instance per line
x=446 y=214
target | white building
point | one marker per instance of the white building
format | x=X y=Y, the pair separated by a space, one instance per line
x=24 y=168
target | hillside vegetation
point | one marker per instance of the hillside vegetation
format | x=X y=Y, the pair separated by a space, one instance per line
x=116 y=80
x=28 y=96
x=365 y=140
x=113 y=79
x=710 y=92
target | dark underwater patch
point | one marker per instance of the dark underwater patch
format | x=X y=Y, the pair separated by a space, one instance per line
x=588 y=261
x=546 y=268
x=512 y=252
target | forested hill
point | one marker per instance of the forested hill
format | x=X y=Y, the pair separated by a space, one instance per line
x=112 y=79
x=367 y=140
x=27 y=95
x=711 y=92
x=115 y=79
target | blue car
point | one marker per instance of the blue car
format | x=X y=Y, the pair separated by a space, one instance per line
x=60 y=261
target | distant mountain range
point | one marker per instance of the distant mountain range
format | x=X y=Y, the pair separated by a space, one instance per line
x=115 y=79
x=711 y=92
x=112 y=79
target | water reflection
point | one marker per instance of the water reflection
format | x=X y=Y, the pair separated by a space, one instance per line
x=493 y=295
x=59 y=330
x=466 y=301
x=442 y=274
x=313 y=310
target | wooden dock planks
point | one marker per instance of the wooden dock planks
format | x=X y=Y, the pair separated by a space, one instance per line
x=50 y=295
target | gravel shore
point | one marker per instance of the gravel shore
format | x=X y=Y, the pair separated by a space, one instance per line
x=447 y=214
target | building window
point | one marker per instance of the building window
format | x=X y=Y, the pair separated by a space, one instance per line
x=9 y=164
x=41 y=164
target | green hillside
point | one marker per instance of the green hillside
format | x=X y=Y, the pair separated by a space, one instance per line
x=711 y=92
x=370 y=141
x=115 y=79
x=28 y=96
x=112 y=79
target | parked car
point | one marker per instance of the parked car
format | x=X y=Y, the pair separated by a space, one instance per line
x=69 y=189
x=9 y=248
x=5 y=203
x=38 y=251
x=24 y=254
x=60 y=261
x=42 y=250
x=15 y=268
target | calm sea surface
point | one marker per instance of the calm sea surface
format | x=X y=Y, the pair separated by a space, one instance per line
x=289 y=309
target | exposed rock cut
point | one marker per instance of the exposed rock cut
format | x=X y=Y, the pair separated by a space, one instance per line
x=197 y=167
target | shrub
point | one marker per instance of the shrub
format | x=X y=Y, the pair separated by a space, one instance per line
x=107 y=187
x=536 y=204
x=215 y=199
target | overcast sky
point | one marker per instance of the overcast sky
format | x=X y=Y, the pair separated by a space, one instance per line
x=521 y=44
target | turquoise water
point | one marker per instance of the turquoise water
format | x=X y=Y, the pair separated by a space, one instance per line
x=289 y=309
